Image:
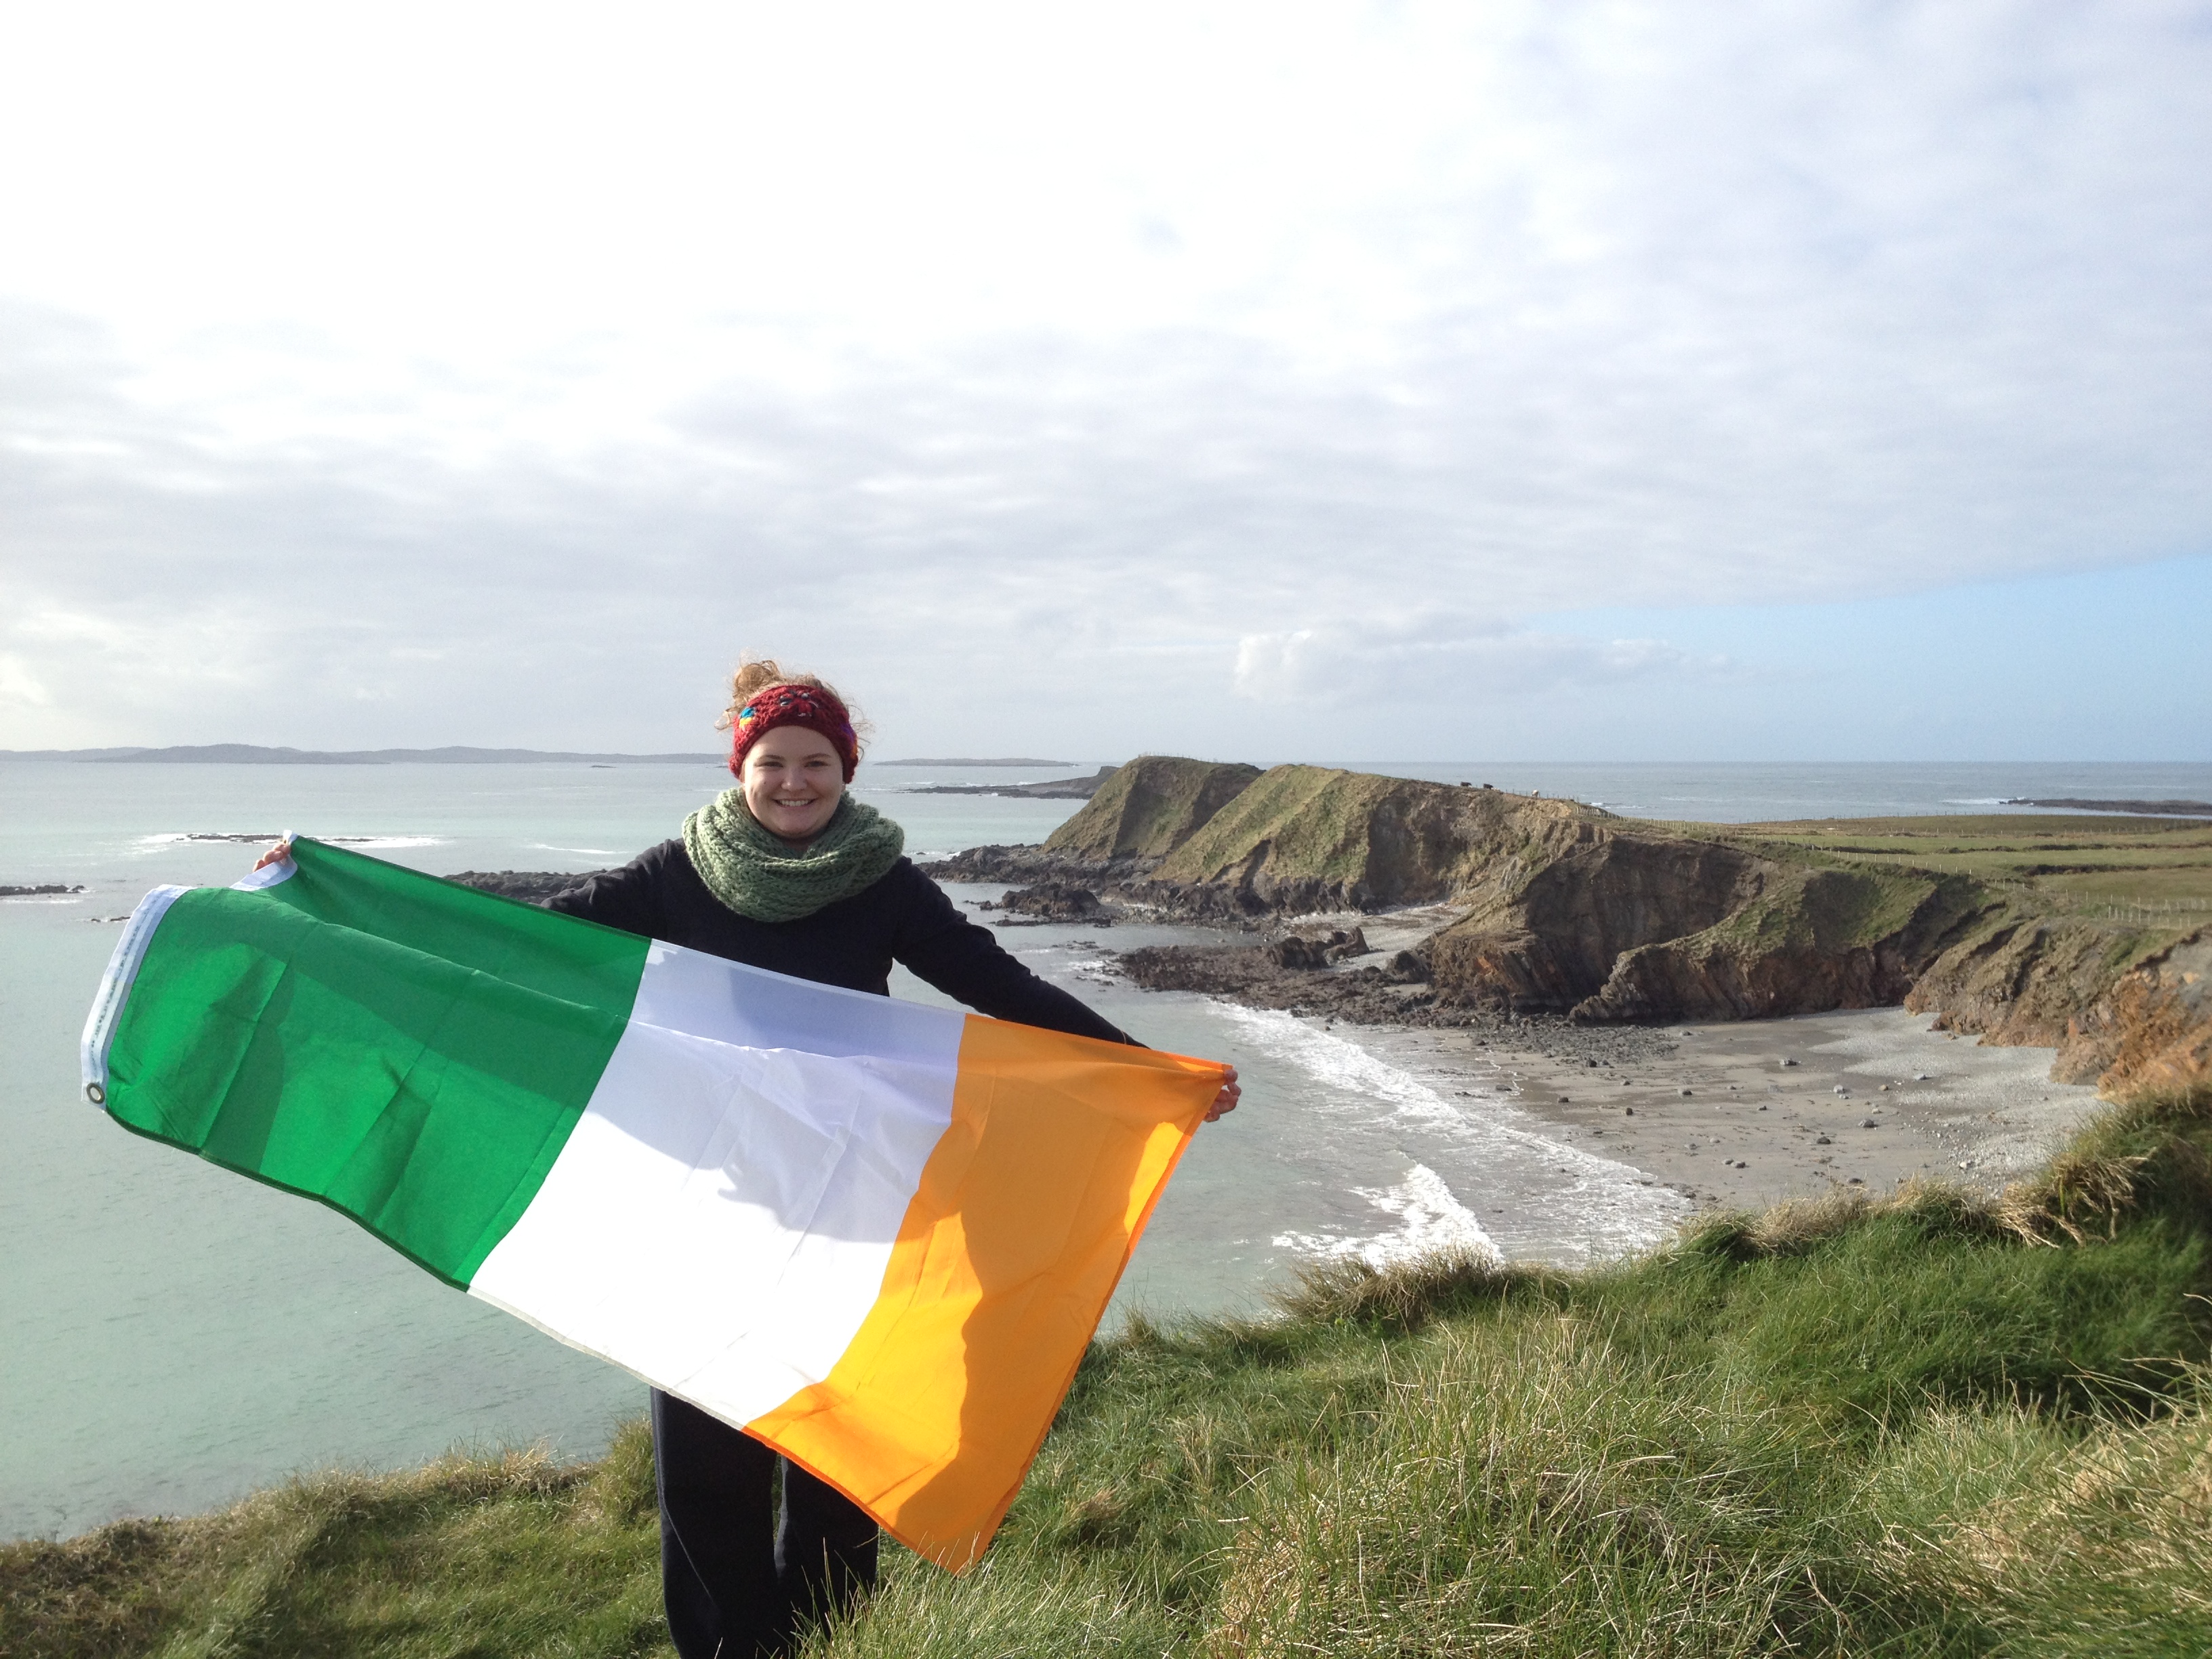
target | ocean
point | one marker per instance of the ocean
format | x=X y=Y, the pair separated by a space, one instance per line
x=177 y=1336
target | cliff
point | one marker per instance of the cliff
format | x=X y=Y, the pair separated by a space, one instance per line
x=1149 y=808
x=1564 y=910
x=1311 y=838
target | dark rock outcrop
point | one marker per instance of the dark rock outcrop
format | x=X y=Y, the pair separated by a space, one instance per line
x=2175 y=809
x=1050 y=789
x=1560 y=918
x=1055 y=901
x=528 y=885
x=1251 y=976
x=1295 y=951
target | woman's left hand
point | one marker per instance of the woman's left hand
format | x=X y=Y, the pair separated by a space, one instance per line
x=1225 y=1101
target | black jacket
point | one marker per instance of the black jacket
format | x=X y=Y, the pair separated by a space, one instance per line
x=904 y=917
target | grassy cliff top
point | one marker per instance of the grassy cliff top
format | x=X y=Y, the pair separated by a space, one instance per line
x=1400 y=837
x=1930 y=1425
x=2073 y=864
x=1150 y=807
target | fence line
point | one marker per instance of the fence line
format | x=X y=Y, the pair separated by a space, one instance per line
x=2149 y=910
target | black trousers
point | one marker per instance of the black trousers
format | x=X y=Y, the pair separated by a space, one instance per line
x=738 y=1580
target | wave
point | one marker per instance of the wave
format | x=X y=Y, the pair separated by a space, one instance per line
x=1430 y=1220
x=1543 y=1196
x=253 y=837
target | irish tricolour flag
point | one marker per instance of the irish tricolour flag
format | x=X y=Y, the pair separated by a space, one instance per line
x=877 y=1235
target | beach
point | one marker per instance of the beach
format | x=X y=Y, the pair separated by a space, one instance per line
x=1738 y=1115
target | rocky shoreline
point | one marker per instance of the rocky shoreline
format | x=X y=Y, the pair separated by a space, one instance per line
x=1050 y=789
x=1549 y=907
x=2163 y=809
x=531 y=886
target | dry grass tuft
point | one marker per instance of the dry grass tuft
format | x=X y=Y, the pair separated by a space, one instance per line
x=2116 y=1537
x=1538 y=1493
x=1401 y=1295
x=2139 y=1151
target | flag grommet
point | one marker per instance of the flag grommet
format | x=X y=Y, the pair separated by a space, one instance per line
x=95 y=1094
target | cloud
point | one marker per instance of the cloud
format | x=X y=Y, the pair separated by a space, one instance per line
x=1442 y=662
x=1087 y=386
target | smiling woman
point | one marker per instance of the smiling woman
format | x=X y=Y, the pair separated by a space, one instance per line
x=788 y=873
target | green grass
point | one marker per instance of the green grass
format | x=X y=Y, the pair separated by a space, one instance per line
x=2067 y=864
x=1150 y=807
x=1936 y=1423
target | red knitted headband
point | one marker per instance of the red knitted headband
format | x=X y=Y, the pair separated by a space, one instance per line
x=807 y=706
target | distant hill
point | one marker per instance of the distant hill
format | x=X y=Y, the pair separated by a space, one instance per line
x=1001 y=760
x=254 y=754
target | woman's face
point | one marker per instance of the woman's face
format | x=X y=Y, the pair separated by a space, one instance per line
x=793 y=780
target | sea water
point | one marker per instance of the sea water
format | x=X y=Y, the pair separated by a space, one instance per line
x=176 y=1335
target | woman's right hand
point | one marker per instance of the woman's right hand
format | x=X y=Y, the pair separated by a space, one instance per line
x=276 y=854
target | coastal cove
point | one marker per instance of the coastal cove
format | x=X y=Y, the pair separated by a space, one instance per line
x=183 y=1336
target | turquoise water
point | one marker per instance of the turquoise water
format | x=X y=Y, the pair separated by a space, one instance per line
x=177 y=1335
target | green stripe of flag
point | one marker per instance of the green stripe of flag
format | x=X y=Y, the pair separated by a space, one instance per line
x=412 y=1053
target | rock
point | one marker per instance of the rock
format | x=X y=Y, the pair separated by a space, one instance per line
x=1052 y=789
x=1788 y=1062
x=1295 y=951
x=528 y=885
x=42 y=891
x=2196 y=809
x=2153 y=1029
x=1869 y=1124
x=1822 y=1140
x=1408 y=968
x=1685 y=1094
x=1057 y=900
x=1628 y=1111
x=1292 y=952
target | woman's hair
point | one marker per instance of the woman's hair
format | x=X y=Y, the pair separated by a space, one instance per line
x=755 y=674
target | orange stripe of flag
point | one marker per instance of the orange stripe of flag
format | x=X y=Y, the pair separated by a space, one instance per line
x=1025 y=1216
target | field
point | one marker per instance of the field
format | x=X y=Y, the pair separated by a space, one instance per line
x=1928 y=1424
x=2092 y=866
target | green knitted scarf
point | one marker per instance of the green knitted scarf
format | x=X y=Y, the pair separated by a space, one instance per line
x=758 y=876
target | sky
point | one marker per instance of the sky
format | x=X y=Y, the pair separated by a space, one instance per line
x=1798 y=380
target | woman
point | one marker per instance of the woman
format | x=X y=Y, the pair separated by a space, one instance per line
x=788 y=871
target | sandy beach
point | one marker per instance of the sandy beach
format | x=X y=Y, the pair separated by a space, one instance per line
x=1742 y=1114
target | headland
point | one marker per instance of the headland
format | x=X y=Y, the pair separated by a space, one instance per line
x=2090 y=935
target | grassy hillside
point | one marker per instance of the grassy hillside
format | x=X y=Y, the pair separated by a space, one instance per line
x=1314 y=834
x=1936 y=1424
x=1150 y=807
